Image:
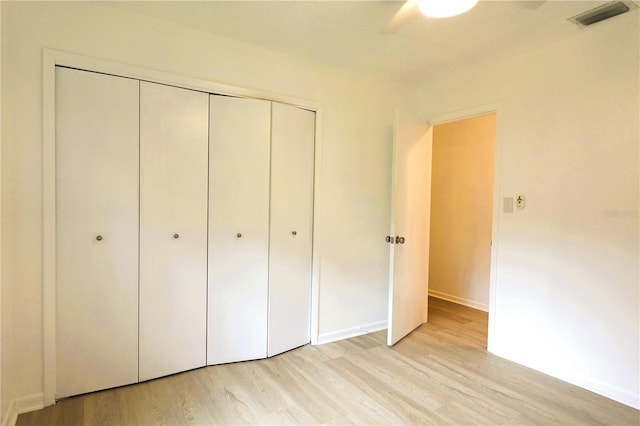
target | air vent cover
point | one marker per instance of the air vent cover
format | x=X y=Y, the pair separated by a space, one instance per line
x=603 y=12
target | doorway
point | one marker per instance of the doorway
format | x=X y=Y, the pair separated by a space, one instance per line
x=462 y=186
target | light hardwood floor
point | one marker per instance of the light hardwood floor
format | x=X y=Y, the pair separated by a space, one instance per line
x=439 y=374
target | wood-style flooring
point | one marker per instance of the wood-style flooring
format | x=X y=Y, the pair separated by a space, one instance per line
x=439 y=374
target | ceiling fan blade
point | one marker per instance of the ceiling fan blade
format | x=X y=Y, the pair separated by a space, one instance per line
x=408 y=11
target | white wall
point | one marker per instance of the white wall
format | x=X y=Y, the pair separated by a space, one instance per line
x=567 y=294
x=355 y=157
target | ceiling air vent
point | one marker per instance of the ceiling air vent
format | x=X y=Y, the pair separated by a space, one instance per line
x=603 y=12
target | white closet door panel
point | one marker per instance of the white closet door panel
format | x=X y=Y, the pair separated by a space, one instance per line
x=96 y=231
x=292 y=159
x=238 y=205
x=173 y=229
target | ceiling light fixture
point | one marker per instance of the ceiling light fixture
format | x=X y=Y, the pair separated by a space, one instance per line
x=445 y=8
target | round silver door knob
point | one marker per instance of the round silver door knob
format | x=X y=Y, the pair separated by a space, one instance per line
x=99 y=238
x=294 y=233
x=239 y=235
x=176 y=236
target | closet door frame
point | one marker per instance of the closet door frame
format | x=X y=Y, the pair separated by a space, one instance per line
x=52 y=58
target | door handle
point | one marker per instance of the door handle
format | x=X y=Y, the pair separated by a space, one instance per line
x=397 y=240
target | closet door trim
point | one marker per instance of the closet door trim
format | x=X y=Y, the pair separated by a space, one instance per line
x=50 y=60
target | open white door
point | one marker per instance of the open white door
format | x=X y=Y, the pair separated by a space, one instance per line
x=409 y=237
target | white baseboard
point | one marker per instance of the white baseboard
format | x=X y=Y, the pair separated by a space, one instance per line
x=576 y=378
x=624 y=397
x=21 y=405
x=347 y=333
x=459 y=300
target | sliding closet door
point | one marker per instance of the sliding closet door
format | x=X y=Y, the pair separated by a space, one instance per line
x=96 y=231
x=173 y=229
x=292 y=159
x=238 y=229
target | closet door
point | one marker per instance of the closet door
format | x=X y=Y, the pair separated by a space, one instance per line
x=173 y=229
x=238 y=229
x=96 y=231
x=292 y=159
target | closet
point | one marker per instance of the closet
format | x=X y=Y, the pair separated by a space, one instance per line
x=260 y=228
x=183 y=229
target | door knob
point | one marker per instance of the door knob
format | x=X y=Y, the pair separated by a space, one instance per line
x=239 y=235
x=389 y=239
x=399 y=240
x=176 y=236
x=294 y=233
x=99 y=238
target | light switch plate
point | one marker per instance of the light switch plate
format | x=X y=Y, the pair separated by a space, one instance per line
x=507 y=205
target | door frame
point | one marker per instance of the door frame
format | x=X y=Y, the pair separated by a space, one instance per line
x=474 y=111
x=52 y=58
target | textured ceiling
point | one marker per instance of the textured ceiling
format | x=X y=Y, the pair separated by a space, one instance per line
x=349 y=33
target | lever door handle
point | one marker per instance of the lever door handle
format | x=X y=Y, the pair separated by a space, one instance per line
x=399 y=240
